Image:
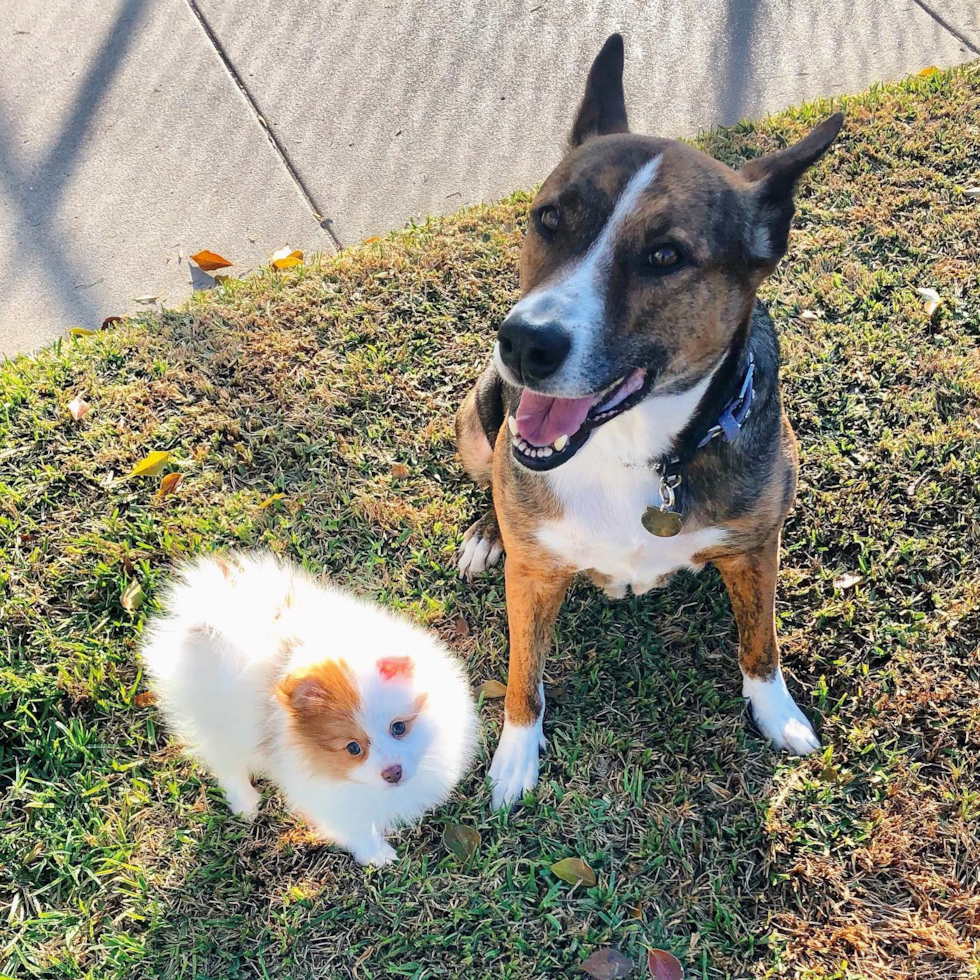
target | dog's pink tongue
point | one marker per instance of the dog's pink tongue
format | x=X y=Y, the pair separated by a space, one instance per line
x=542 y=419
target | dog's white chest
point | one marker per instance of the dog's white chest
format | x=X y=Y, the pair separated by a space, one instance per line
x=605 y=489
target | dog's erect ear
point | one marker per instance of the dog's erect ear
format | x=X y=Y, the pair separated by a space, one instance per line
x=603 y=108
x=773 y=179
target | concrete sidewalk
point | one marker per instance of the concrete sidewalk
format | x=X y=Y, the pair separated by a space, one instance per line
x=135 y=132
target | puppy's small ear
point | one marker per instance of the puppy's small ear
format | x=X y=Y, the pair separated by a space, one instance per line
x=773 y=179
x=394 y=668
x=327 y=686
x=603 y=108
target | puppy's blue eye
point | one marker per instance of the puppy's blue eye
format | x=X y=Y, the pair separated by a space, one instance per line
x=353 y=748
x=398 y=729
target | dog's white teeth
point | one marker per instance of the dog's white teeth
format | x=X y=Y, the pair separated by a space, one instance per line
x=547 y=451
x=512 y=425
x=560 y=443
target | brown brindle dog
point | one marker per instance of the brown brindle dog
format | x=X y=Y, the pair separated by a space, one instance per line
x=638 y=380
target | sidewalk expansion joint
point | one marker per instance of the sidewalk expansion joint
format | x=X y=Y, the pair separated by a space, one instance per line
x=324 y=223
x=949 y=27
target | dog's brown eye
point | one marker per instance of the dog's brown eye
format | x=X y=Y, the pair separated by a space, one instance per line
x=354 y=748
x=549 y=218
x=664 y=257
x=398 y=729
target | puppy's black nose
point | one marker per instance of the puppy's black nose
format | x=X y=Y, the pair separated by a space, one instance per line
x=535 y=352
x=393 y=774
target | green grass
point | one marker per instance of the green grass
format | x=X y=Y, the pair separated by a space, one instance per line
x=118 y=859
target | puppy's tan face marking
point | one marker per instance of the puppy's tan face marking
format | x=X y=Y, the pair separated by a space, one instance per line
x=323 y=702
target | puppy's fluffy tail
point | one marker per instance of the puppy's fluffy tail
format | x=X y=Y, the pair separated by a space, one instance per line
x=211 y=651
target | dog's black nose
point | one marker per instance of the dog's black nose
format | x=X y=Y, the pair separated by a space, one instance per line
x=535 y=352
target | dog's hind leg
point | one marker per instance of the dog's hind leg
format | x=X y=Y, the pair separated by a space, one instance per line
x=477 y=422
x=751 y=582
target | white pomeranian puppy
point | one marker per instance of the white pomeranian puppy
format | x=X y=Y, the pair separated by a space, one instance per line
x=362 y=719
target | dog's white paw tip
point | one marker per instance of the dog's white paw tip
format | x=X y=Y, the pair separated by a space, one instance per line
x=778 y=717
x=514 y=770
x=478 y=554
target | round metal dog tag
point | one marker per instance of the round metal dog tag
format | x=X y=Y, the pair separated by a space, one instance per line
x=662 y=523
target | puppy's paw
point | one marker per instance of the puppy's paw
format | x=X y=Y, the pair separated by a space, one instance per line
x=243 y=798
x=482 y=547
x=514 y=769
x=376 y=853
x=777 y=716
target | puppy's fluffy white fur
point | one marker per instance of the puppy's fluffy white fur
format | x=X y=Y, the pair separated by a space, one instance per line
x=259 y=669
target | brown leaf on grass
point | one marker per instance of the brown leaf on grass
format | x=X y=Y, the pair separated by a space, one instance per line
x=209 y=261
x=132 y=597
x=461 y=627
x=80 y=332
x=78 y=408
x=932 y=298
x=461 y=840
x=491 y=690
x=151 y=465
x=926 y=72
x=110 y=321
x=269 y=501
x=848 y=580
x=367 y=241
x=399 y=471
x=145 y=699
x=169 y=483
x=607 y=964
x=662 y=965
x=574 y=871
x=33 y=854
x=220 y=278
x=285 y=258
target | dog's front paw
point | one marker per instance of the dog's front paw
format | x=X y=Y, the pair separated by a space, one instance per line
x=481 y=548
x=376 y=853
x=777 y=716
x=514 y=769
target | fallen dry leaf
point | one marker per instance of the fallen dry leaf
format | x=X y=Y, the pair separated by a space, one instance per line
x=269 y=501
x=932 y=298
x=574 y=871
x=78 y=408
x=462 y=841
x=926 y=72
x=972 y=192
x=209 y=261
x=146 y=300
x=80 y=332
x=607 y=964
x=662 y=965
x=490 y=690
x=110 y=320
x=33 y=854
x=809 y=315
x=219 y=278
x=848 y=580
x=151 y=465
x=284 y=258
x=399 y=471
x=461 y=627
x=367 y=241
x=169 y=483
x=145 y=699
x=132 y=597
